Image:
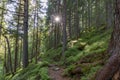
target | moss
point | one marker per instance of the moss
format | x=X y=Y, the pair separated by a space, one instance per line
x=88 y=53
x=92 y=57
x=52 y=55
x=68 y=70
x=90 y=72
x=71 y=52
x=44 y=73
x=32 y=72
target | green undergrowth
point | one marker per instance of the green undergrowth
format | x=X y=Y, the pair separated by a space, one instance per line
x=88 y=53
x=1 y=71
x=32 y=72
x=52 y=55
x=92 y=71
x=92 y=57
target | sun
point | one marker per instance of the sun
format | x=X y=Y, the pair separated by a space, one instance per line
x=57 y=19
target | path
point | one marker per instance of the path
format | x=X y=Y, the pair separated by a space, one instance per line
x=56 y=73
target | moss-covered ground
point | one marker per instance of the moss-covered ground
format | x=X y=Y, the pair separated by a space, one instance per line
x=84 y=56
x=83 y=59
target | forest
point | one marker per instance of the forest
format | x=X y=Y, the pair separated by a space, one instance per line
x=59 y=39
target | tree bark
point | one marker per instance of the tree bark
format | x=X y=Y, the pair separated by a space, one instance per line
x=25 y=37
x=9 y=55
x=113 y=64
x=17 y=40
x=109 y=13
x=64 y=29
x=5 y=60
x=69 y=21
x=2 y=16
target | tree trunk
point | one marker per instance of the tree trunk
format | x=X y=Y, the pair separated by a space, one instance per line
x=113 y=64
x=9 y=55
x=109 y=13
x=64 y=29
x=2 y=16
x=25 y=37
x=37 y=36
x=5 y=60
x=97 y=11
x=69 y=21
x=77 y=20
x=20 y=54
x=17 y=40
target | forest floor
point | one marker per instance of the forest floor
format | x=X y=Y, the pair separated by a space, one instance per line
x=56 y=73
x=84 y=59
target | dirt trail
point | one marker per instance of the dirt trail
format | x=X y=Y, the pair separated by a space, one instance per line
x=56 y=73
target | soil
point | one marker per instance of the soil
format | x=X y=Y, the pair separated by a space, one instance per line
x=56 y=73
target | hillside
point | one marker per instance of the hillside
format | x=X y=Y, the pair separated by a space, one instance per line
x=83 y=59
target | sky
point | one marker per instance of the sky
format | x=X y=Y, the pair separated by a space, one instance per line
x=45 y=1
x=10 y=7
x=44 y=4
